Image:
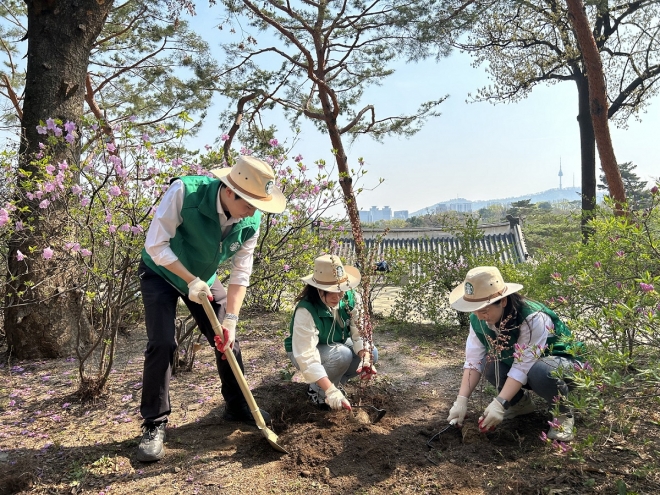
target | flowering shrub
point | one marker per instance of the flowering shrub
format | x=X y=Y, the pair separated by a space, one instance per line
x=89 y=220
x=87 y=231
x=605 y=289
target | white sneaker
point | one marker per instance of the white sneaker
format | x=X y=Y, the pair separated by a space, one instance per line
x=524 y=406
x=564 y=432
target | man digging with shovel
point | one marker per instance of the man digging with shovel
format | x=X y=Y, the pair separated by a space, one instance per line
x=199 y=223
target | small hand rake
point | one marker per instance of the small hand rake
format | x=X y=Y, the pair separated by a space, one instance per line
x=254 y=409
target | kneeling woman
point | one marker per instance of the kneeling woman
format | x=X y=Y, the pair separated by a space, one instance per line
x=324 y=342
x=517 y=344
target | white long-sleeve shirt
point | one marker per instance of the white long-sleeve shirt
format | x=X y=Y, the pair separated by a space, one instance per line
x=168 y=217
x=305 y=340
x=534 y=333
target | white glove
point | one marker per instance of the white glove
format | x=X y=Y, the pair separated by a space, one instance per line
x=493 y=415
x=197 y=286
x=458 y=411
x=366 y=370
x=335 y=399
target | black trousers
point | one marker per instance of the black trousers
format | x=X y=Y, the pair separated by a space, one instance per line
x=160 y=299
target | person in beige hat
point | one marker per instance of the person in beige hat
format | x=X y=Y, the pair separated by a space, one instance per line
x=518 y=344
x=200 y=222
x=324 y=342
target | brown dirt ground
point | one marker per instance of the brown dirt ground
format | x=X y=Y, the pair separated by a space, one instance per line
x=50 y=443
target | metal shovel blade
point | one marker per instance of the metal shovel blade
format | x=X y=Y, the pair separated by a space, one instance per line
x=379 y=412
x=254 y=409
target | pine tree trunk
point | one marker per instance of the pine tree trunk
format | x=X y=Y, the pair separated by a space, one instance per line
x=587 y=155
x=597 y=100
x=44 y=316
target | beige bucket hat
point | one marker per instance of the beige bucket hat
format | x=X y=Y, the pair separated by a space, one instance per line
x=482 y=286
x=254 y=181
x=331 y=275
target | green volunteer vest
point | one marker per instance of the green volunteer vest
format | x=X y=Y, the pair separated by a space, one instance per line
x=323 y=320
x=198 y=241
x=558 y=344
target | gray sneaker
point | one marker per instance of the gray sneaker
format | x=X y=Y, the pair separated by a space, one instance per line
x=524 y=406
x=151 y=446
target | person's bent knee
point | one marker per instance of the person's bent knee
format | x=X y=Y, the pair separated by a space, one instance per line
x=339 y=355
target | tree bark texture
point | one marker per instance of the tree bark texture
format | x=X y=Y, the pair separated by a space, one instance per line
x=43 y=315
x=587 y=153
x=597 y=99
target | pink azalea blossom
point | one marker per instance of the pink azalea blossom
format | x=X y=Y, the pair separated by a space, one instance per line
x=646 y=287
x=44 y=204
x=85 y=252
x=19 y=256
x=42 y=130
x=111 y=147
x=4 y=216
x=50 y=124
x=18 y=226
x=69 y=126
x=114 y=191
x=76 y=190
x=48 y=253
x=273 y=142
x=84 y=202
x=224 y=137
x=286 y=268
x=70 y=138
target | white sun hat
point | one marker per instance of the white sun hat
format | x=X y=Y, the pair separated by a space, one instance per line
x=483 y=285
x=254 y=181
x=331 y=275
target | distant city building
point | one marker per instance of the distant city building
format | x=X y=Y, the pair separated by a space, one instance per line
x=403 y=214
x=459 y=204
x=376 y=214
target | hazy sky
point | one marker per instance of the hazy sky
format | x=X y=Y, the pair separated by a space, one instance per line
x=475 y=151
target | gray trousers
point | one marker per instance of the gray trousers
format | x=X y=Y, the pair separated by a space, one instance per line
x=339 y=361
x=541 y=379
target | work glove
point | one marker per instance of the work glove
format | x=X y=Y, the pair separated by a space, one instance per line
x=336 y=400
x=197 y=286
x=228 y=337
x=366 y=370
x=458 y=411
x=493 y=415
